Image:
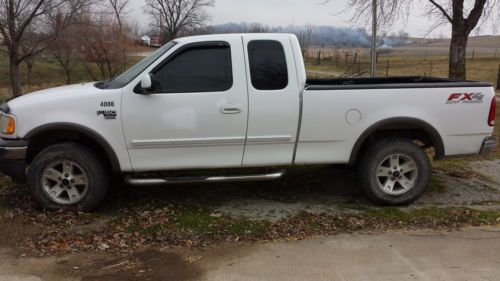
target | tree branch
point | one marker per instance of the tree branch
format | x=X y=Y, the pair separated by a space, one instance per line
x=442 y=9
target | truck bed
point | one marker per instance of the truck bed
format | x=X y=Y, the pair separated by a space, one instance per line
x=390 y=83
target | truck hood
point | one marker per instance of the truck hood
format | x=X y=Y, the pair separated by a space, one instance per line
x=76 y=104
x=54 y=93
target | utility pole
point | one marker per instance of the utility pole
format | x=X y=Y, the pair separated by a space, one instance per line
x=374 y=38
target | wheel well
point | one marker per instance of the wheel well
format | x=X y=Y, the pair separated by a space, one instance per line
x=408 y=128
x=41 y=140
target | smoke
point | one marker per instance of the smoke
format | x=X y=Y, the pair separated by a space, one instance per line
x=322 y=35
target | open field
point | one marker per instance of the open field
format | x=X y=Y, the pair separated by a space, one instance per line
x=426 y=57
x=481 y=69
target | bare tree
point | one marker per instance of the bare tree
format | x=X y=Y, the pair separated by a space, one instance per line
x=176 y=16
x=119 y=9
x=63 y=46
x=31 y=48
x=100 y=46
x=19 y=16
x=257 y=28
x=305 y=36
x=463 y=15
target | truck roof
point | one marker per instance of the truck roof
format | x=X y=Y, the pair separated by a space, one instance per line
x=226 y=35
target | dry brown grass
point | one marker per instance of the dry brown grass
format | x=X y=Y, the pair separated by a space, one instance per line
x=396 y=64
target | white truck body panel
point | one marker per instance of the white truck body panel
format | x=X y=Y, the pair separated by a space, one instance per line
x=74 y=105
x=461 y=126
x=190 y=130
x=273 y=115
x=187 y=130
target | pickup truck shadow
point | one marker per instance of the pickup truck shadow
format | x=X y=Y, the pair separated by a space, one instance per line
x=308 y=187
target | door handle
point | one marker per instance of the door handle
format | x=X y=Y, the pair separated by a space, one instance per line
x=230 y=109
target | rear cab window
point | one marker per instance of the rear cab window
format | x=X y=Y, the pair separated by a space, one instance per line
x=268 y=66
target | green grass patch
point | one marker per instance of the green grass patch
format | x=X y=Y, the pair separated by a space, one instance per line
x=388 y=213
x=243 y=226
x=437 y=185
x=457 y=167
x=194 y=219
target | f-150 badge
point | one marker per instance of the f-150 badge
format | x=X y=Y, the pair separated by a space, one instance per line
x=108 y=114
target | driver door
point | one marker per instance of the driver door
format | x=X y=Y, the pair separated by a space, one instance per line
x=196 y=115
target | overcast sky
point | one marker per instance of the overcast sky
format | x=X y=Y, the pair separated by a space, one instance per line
x=298 y=12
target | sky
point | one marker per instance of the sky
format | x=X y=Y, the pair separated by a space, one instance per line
x=296 y=12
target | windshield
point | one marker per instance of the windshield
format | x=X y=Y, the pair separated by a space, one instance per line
x=129 y=75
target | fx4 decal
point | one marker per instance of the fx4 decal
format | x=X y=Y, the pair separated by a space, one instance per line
x=459 y=98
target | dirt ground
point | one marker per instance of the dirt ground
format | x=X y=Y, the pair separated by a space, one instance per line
x=171 y=233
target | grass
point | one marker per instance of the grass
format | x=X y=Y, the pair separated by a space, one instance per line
x=194 y=219
x=200 y=223
x=480 y=69
x=455 y=215
x=46 y=73
x=188 y=220
x=437 y=185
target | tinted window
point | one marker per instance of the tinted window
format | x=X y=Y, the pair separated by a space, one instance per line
x=197 y=69
x=268 y=67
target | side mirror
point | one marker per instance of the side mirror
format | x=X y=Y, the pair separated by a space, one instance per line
x=147 y=83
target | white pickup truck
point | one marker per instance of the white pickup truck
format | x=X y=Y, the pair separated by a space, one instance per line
x=232 y=104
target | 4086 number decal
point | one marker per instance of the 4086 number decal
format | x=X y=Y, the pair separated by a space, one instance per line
x=107 y=104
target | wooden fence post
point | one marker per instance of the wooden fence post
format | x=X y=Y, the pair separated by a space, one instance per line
x=473 y=53
x=319 y=57
x=387 y=68
x=498 y=78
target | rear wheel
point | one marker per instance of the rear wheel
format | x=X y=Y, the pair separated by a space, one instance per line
x=395 y=172
x=68 y=175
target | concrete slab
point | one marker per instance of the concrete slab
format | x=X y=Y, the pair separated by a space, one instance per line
x=472 y=254
x=469 y=255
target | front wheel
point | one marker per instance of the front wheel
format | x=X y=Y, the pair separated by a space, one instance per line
x=67 y=176
x=395 y=172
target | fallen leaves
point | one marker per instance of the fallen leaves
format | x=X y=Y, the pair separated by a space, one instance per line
x=124 y=228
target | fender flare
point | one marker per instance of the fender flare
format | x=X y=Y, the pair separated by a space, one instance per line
x=412 y=122
x=92 y=134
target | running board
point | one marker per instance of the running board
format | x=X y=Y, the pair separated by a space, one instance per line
x=181 y=180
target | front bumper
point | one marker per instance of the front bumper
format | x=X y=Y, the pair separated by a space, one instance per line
x=13 y=158
x=489 y=145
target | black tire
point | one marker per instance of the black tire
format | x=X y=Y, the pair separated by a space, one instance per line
x=381 y=150
x=97 y=180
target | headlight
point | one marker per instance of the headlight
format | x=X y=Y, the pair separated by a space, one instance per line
x=8 y=124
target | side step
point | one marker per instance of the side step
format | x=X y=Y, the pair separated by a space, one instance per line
x=181 y=180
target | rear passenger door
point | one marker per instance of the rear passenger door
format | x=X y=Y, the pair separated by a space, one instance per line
x=273 y=92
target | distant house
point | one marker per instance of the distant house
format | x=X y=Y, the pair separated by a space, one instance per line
x=155 y=41
x=145 y=40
